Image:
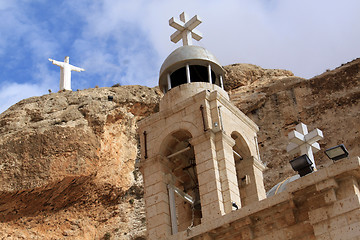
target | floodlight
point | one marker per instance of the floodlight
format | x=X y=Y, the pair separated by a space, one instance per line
x=337 y=152
x=302 y=165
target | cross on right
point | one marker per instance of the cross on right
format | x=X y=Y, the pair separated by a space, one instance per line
x=304 y=142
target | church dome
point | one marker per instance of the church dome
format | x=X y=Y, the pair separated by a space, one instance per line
x=280 y=187
x=200 y=62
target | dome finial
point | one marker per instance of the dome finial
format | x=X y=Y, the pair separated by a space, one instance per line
x=185 y=29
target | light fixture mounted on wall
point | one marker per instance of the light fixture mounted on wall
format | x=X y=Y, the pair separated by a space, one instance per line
x=302 y=165
x=336 y=153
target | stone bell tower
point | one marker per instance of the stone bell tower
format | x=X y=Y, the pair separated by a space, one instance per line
x=199 y=152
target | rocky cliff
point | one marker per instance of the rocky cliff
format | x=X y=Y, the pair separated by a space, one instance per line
x=278 y=101
x=67 y=159
x=67 y=165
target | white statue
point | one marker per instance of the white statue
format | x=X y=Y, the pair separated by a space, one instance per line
x=65 y=72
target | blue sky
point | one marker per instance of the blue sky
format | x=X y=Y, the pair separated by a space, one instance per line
x=119 y=41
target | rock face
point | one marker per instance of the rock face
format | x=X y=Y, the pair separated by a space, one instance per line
x=277 y=104
x=67 y=159
x=67 y=165
x=238 y=75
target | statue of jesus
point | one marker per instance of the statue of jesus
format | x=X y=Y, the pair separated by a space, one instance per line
x=65 y=72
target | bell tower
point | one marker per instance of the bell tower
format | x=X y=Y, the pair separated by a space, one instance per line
x=199 y=153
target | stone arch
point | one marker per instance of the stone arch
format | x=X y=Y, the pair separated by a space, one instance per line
x=176 y=126
x=241 y=152
x=241 y=146
x=183 y=181
x=170 y=143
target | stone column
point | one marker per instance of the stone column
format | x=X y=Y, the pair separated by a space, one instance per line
x=156 y=198
x=208 y=176
x=251 y=181
x=227 y=169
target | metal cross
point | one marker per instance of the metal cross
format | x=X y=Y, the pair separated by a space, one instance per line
x=304 y=142
x=185 y=29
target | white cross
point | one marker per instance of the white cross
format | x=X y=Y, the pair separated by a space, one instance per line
x=304 y=142
x=65 y=72
x=185 y=29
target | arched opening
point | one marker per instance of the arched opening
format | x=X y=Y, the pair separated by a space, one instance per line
x=183 y=187
x=241 y=152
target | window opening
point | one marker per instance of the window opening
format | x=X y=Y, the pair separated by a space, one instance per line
x=178 y=77
x=200 y=74
x=184 y=196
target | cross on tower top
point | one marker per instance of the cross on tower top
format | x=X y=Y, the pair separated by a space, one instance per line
x=185 y=29
x=304 y=142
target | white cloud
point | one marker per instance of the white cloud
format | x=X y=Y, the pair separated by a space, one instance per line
x=11 y=93
x=113 y=45
x=127 y=41
x=306 y=37
x=24 y=49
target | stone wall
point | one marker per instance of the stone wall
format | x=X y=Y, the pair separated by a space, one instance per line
x=322 y=205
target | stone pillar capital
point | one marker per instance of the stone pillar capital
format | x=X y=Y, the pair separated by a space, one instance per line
x=202 y=138
x=226 y=139
x=253 y=161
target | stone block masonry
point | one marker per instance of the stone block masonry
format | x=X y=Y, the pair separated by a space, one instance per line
x=322 y=205
x=202 y=146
